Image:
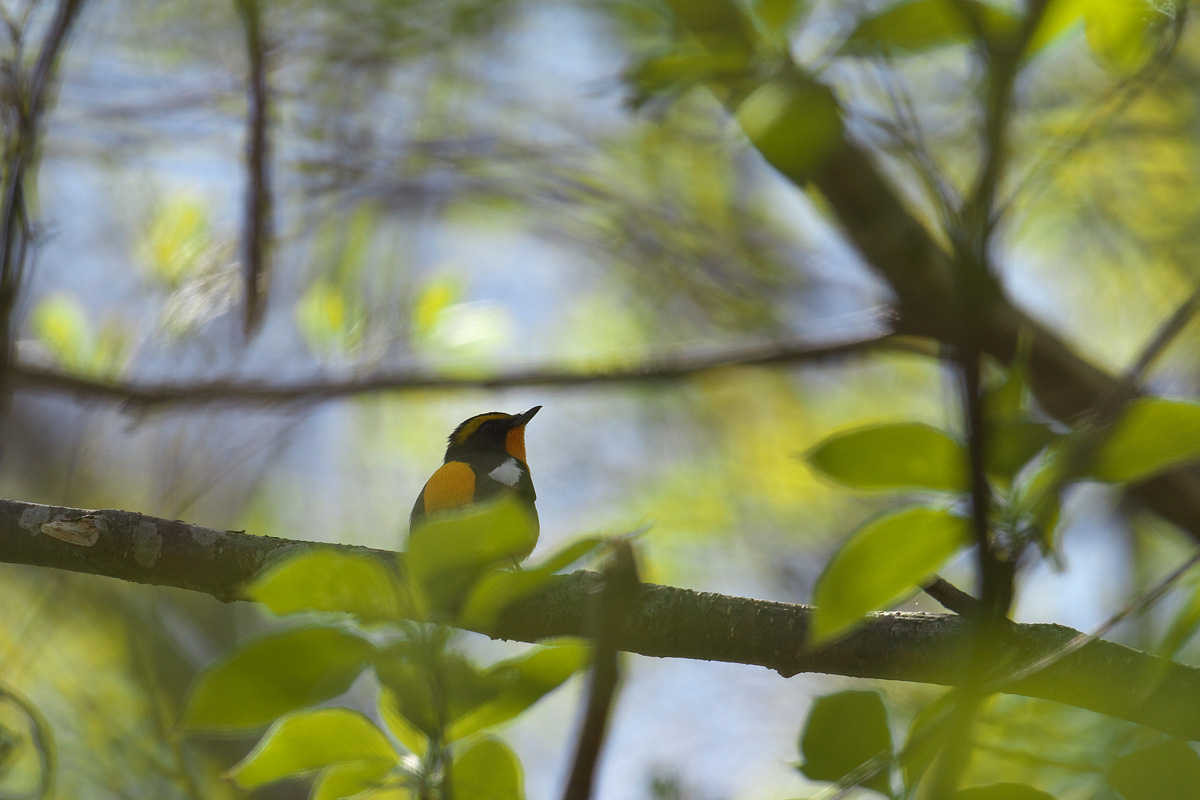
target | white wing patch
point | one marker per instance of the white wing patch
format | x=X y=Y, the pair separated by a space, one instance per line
x=508 y=473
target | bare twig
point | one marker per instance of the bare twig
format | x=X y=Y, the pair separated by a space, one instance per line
x=29 y=104
x=141 y=396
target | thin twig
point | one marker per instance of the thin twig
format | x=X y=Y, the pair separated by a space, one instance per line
x=28 y=108
x=141 y=396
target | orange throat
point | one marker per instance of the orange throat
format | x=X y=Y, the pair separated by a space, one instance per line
x=514 y=443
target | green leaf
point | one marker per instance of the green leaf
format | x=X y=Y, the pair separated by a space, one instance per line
x=925 y=24
x=404 y=730
x=794 y=122
x=843 y=732
x=487 y=769
x=1012 y=443
x=1153 y=435
x=311 y=740
x=907 y=455
x=1002 y=791
x=1060 y=17
x=926 y=738
x=326 y=580
x=881 y=562
x=347 y=780
x=1122 y=33
x=1168 y=769
x=1184 y=624
x=778 y=15
x=523 y=681
x=409 y=675
x=493 y=592
x=273 y=675
x=448 y=553
x=718 y=24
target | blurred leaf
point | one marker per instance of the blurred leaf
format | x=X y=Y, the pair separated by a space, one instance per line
x=346 y=780
x=719 y=24
x=487 y=769
x=881 y=562
x=794 y=122
x=330 y=319
x=435 y=296
x=496 y=590
x=1122 y=33
x=1153 y=435
x=60 y=323
x=178 y=235
x=1168 y=769
x=1012 y=443
x=326 y=580
x=449 y=553
x=465 y=337
x=778 y=15
x=1059 y=17
x=926 y=738
x=410 y=675
x=273 y=675
x=924 y=24
x=311 y=740
x=680 y=69
x=1184 y=624
x=843 y=732
x=906 y=455
x=523 y=681
x=405 y=731
x=1002 y=791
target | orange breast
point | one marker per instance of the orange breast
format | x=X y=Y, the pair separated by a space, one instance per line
x=452 y=486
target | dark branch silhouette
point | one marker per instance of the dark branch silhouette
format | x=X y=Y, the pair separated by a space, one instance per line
x=139 y=396
x=256 y=227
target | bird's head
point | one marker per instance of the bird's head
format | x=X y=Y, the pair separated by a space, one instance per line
x=493 y=432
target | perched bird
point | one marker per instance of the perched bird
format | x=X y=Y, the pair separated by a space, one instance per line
x=485 y=460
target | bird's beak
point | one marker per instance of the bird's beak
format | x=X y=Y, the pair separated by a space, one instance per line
x=521 y=419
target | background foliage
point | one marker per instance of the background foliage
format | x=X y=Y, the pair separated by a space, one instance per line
x=461 y=190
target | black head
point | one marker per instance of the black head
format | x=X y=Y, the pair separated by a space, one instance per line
x=493 y=432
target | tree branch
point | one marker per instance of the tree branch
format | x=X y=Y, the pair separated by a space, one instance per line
x=141 y=396
x=665 y=621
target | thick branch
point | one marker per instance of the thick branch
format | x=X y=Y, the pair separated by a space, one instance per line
x=665 y=622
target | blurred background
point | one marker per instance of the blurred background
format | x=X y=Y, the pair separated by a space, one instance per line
x=469 y=188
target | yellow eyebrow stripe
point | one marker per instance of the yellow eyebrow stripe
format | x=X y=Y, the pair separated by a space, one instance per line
x=452 y=486
x=472 y=425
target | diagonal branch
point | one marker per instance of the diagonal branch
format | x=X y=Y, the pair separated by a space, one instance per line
x=664 y=621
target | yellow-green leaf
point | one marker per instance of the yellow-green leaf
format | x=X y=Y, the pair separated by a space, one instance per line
x=794 y=122
x=896 y=456
x=881 y=562
x=326 y=580
x=273 y=675
x=487 y=769
x=311 y=740
x=1153 y=435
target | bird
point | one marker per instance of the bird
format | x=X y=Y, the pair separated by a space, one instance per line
x=485 y=460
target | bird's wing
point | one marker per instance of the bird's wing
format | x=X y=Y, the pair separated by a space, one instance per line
x=452 y=486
